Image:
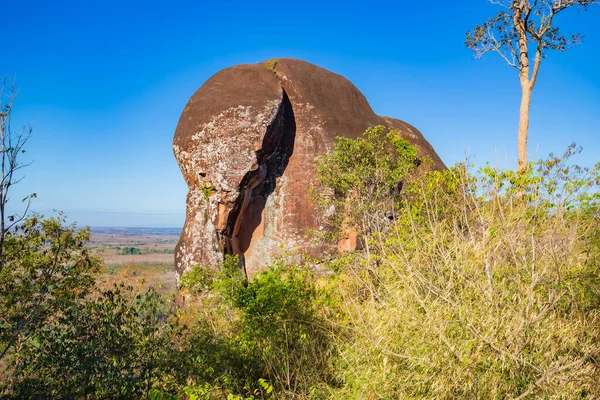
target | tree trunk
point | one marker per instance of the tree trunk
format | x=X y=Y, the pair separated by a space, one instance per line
x=521 y=11
x=523 y=125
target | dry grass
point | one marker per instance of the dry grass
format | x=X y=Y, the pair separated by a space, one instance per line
x=477 y=292
x=161 y=277
x=140 y=259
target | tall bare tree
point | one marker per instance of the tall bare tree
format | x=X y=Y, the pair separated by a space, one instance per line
x=12 y=145
x=523 y=33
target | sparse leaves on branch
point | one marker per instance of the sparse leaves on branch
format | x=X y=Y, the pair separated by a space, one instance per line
x=522 y=34
x=524 y=19
x=12 y=145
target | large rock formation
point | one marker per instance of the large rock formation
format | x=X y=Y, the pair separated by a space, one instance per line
x=246 y=143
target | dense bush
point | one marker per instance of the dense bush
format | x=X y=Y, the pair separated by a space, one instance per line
x=268 y=326
x=488 y=286
x=362 y=179
x=130 y=251
x=46 y=267
x=110 y=345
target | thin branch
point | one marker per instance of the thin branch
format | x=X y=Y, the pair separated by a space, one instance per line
x=506 y=3
x=548 y=373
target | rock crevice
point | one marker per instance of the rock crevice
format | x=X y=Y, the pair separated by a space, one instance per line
x=258 y=184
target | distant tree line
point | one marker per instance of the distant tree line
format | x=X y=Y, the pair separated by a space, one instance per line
x=137 y=251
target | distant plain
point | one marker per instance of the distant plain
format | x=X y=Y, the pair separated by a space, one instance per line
x=138 y=257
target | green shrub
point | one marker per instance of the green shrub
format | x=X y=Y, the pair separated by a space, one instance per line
x=361 y=178
x=111 y=345
x=197 y=280
x=162 y=251
x=270 y=65
x=476 y=285
x=274 y=341
x=130 y=251
x=207 y=190
x=279 y=318
x=46 y=267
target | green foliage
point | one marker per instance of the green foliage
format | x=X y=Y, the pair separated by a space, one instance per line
x=207 y=190
x=361 y=178
x=62 y=338
x=373 y=163
x=279 y=318
x=110 y=345
x=130 y=251
x=478 y=285
x=273 y=341
x=270 y=65
x=155 y=394
x=274 y=297
x=484 y=285
x=58 y=337
x=162 y=251
x=197 y=280
x=229 y=280
x=46 y=269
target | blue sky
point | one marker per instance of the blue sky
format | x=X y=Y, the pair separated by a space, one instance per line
x=103 y=84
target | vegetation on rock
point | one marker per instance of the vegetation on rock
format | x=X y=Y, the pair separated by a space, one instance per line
x=270 y=65
x=477 y=284
x=363 y=179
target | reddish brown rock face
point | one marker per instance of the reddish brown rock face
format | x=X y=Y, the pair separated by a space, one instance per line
x=246 y=144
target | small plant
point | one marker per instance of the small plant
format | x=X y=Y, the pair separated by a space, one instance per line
x=271 y=65
x=207 y=190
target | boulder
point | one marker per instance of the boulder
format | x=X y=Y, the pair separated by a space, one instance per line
x=246 y=144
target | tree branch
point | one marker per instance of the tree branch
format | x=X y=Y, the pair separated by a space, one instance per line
x=498 y=49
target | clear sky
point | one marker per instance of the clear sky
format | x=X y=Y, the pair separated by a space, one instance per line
x=103 y=84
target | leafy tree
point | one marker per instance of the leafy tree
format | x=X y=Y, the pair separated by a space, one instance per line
x=522 y=34
x=47 y=268
x=58 y=337
x=130 y=251
x=360 y=179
